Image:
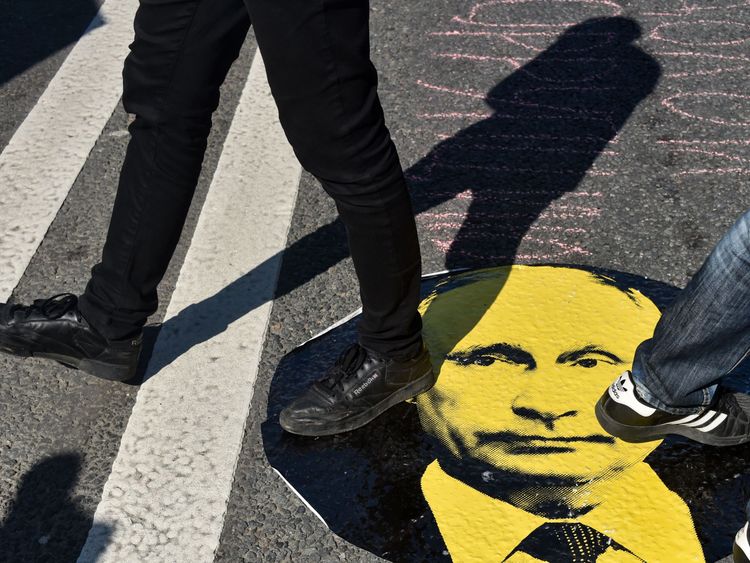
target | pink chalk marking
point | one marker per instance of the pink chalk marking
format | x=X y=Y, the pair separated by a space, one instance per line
x=523 y=170
x=589 y=211
x=580 y=211
x=448 y=225
x=505 y=227
x=457 y=115
x=470 y=34
x=717 y=171
x=571 y=88
x=542 y=137
x=691 y=74
x=701 y=55
x=466 y=194
x=713 y=153
x=469 y=194
x=571 y=248
x=555 y=215
x=461 y=115
x=529 y=239
x=479 y=146
x=689 y=10
x=475 y=94
x=518 y=66
x=536 y=76
x=500 y=198
x=662 y=14
x=555 y=26
x=456 y=33
x=472 y=18
x=566 y=230
x=656 y=33
x=445 y=246
x=457 y=92
x=547 y=59
x=669 y=103
x=509 y=37
x=502 y=195
x=702 y=142
x=512 y=61
x=543 y=257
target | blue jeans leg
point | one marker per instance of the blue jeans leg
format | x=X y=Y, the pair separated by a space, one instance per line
x=704 y=334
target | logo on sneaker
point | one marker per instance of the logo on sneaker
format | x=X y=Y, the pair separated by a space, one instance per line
x=623 y=391
x=617 y=389
x=359 y=390
x=621 y=385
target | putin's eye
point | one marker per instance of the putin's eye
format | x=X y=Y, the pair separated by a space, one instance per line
x=473 y=360
x=485 y=356
x=483 y=361
x=589 y=362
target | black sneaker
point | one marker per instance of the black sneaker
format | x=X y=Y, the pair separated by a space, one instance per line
x=357 y=389
x=622 y=413
x=741 y=550
x=55 y=329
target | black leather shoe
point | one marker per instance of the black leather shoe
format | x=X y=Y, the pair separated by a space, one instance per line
x=55 y=329
x=356 y=390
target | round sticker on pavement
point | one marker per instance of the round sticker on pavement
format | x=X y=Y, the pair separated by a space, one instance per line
x=503 y=459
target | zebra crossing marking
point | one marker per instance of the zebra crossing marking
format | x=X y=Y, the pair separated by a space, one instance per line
x=166 y=496
x=47 y=152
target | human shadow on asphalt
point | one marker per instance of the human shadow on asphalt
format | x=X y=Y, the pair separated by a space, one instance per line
x=32 y=30
x=44 y=522
x=551 y=119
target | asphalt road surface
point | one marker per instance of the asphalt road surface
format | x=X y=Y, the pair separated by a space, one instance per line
x=639 y=161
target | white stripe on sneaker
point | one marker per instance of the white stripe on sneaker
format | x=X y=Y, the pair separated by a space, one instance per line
x=702 y=420
x=718 y=420
x=688 y=418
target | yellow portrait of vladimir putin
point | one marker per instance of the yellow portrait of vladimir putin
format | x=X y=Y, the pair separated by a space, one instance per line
x=527 y=473
x=503 y=459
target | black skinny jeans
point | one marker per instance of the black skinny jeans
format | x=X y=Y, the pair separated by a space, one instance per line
x=316 y=54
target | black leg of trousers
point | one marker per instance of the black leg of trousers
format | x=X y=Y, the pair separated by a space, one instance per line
x=317 y=59
x=177 y=62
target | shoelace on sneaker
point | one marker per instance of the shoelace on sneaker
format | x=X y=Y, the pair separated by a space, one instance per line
x=52 y=308
x=346 y=365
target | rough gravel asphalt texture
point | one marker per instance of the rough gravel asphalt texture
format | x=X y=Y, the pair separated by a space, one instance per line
x=651 y=196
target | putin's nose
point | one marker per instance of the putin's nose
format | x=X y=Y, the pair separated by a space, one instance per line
x=539 y=411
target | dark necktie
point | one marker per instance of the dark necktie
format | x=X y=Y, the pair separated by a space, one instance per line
x=568 y=542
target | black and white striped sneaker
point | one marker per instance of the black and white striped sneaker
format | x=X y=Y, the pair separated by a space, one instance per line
x=622 y=413
x=741 y=551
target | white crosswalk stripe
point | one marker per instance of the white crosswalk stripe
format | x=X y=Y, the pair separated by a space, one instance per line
x=166 y=496
x=46 y=154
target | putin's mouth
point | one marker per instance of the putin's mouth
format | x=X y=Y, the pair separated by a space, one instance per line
x=532 y=443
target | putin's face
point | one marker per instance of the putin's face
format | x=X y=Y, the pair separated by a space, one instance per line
x=517 y=385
